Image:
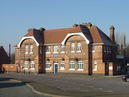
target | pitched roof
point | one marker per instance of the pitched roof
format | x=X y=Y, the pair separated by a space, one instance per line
x=3 y=56
x=94 y=34
x=58 y=35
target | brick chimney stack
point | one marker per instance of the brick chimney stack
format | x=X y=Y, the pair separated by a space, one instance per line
x=112 y=34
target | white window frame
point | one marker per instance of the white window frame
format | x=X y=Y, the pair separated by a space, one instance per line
x=79 y=47
x=26 y=49
x=32 y=67
x=62 y=63
x=93 y=48
x=80 y=64
x=62 y=49
x=48 y=63
x=72 y=47
x=48 y=49
x=26 y=63
x=56 y=50
x=95 y=67
x=31 y=49
x=72 y=63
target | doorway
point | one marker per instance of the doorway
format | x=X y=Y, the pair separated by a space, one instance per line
x=55 y=68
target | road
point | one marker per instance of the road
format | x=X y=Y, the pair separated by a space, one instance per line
x=13 y=88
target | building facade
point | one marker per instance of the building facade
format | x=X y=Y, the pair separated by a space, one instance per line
x=82 y=48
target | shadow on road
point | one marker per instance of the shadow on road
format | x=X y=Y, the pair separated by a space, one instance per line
x=6 y=83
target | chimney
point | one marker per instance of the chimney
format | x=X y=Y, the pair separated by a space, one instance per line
x=112 y=34
x=41 y=29
x=88 y=25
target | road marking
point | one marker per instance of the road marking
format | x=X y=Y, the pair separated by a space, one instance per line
x=37 y=92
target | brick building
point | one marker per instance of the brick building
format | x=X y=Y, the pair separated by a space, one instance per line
x=82 y=48
x=4 y=58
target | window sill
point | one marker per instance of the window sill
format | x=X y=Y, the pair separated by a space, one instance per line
x=48 y=69
x=80 y=70
x=78 y=51
x=48 y=52
x=71 y=69
x=62 y=69
x=72 y=51
x=55 y=52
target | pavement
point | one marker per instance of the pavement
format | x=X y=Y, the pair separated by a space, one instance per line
x=13 y=88
x=73 y=85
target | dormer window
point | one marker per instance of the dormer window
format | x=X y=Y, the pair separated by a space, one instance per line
x=56 y=49
x=72 y=47
x=62 y=49
x=93 y=48
x=78 y=47
x=48 y=49
x=26 y=49
x=31 y=49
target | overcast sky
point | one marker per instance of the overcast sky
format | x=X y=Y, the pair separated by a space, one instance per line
x=16 y=16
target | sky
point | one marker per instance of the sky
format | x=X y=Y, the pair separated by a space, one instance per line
x=16 y=16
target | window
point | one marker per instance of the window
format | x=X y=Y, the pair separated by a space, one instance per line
x=62 y=65
x=48 y=49
x=26 y=64
x=56 y=49
x=72 y=46
x=26 y=49
x=80 y=65
x=72 y=65
x=95 y=66
x=31 y=49
x=32 y=64
x=48 y=65
x=79 y=47
x=62 y=49
x=93 y=48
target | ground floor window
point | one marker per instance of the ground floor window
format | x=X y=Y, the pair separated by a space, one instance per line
x=80 y=65
x=32 y=64
x=95 y=66
x=26 y=64
x=48 y=65
x=62 y=65
x=72 y=65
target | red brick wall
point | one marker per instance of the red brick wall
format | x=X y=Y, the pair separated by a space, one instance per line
x=9 y=67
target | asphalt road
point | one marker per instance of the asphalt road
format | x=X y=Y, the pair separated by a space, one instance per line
x=13 y=88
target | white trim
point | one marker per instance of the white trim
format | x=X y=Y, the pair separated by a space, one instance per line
x=73 y=34
x=80 y=69
x=27 y=37
x=71 y=69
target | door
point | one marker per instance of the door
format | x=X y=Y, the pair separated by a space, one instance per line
x=55 y=68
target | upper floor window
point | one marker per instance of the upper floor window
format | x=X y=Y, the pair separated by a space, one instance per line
x=56 y=49
x=48 y=49
x=93 y=48
x=31 y=49
x=78 y=47
x=72 y=47
x=62 y=49
x=27 y=49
